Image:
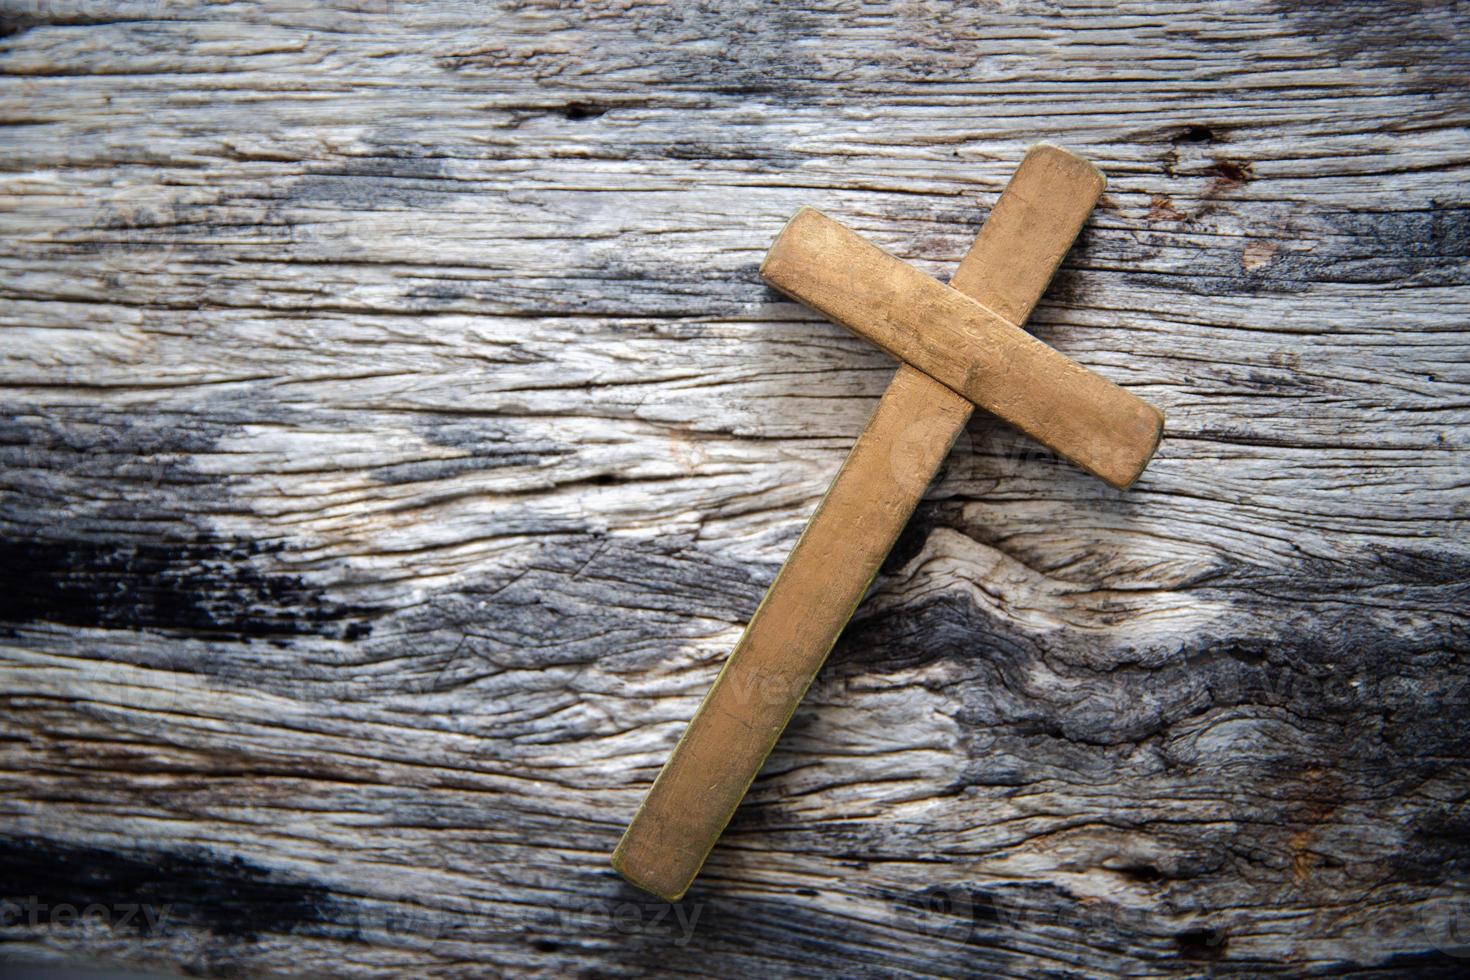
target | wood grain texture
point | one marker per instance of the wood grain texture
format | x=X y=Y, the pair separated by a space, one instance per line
x=397 y=434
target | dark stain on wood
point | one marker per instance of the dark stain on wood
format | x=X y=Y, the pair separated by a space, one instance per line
x=1316 y=670
x=1302 y=251
x=231 y=897
x=210 y=589
x=1202 y=944
x=1229 y=173
x=1431 y=964
x=1196 y=133
x=929 y=515
x=577 y=111
x=1423 y=39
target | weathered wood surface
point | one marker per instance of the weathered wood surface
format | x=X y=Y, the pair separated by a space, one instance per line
x=397 y=435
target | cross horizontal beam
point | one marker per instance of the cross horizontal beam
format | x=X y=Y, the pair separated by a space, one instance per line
x=965 y=346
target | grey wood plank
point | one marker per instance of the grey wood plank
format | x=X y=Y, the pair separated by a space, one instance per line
x=397 y=436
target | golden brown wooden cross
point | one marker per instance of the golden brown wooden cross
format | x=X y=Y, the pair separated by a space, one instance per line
x=959 y=346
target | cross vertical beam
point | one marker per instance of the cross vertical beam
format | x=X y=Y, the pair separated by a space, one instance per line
x=884 y=477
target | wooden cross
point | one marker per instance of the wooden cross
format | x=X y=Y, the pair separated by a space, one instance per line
x=958 y=346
